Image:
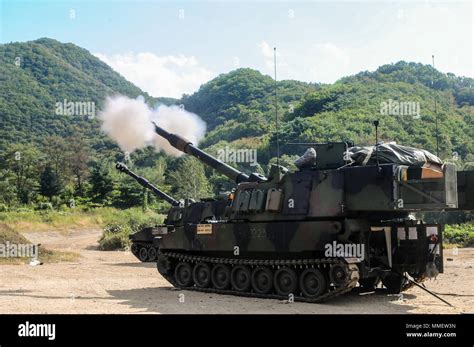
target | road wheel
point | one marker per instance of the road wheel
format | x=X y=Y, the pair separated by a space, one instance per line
x=143 y=254
x=285 y=281
x=151 y=254
x=202 y=275
x=262 y=280
x=313 y=283
x=240 y=278
x=338 y=275
x=183 y=275
x=220 y=276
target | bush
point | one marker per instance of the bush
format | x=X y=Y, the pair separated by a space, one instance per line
x=113 y=228
x=44 y=206
x=3 y=208
x=470 y=241
x=119 y=224
x=22 y=209
x=111 y=241
x=116 y=236
x=462 y=234
x=90 y=206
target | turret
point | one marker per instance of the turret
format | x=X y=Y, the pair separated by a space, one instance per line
x=187 y=147
x=145 y=183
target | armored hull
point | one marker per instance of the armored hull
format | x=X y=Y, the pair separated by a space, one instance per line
x=282 y=259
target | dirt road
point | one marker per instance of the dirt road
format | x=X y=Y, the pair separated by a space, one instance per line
x=115 y=282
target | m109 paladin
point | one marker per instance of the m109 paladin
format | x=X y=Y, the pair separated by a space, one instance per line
x=311 y=234
x=142 y=245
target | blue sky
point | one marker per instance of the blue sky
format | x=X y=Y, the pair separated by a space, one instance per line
x=170 y=48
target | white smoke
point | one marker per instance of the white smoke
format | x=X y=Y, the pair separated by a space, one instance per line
x=129 y=123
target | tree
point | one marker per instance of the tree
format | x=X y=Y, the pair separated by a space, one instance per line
x=77 y=159
x=22 y=162
x=101 y=183
x=8 y=194
x=189 y=179
x=49 y=183
x=130 y=193
x=156 y=175
x=56 y=151
x=285 y=160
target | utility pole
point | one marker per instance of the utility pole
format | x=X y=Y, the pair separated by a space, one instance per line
x=436 y=112
x=276 y=107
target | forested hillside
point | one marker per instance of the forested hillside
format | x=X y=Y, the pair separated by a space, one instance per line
x=49 y=157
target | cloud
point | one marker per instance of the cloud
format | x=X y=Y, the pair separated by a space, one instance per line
x=426 y=29
x=409 y=32
x=169 y=76
x=267 y=52
x=328 y=63
x=324 y=62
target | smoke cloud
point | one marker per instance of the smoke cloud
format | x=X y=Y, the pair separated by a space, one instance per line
x=129 y=123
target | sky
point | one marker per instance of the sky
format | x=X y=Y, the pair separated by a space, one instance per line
x=170 y=48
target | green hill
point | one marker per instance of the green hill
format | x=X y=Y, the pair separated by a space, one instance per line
x=240 y=105
x=36 y=75
x=346 y=110
x=238 y=108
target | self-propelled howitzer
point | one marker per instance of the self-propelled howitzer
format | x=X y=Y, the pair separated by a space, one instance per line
x=146 y=184
x=142 y=241
x=188 y=147
x=314 y=233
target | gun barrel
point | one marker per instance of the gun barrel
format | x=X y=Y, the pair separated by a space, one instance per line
x=145 y=183
x=186 y=146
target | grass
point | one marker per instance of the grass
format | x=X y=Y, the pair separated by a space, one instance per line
x=11 y=236
x=116 y=232
x=74 y=219
x=447 y=245
x=461 y=235
x=116 y=225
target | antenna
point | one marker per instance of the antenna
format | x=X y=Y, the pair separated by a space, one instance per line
x=436 y=113
x=276 y=107
x=376 y=124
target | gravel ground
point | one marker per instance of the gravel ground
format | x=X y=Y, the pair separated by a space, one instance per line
x=116 y=282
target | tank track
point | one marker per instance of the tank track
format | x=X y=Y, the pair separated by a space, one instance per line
x=351 y=282
x=147 y=257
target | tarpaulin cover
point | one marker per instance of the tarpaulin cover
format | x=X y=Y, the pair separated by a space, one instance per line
x=390 y=152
